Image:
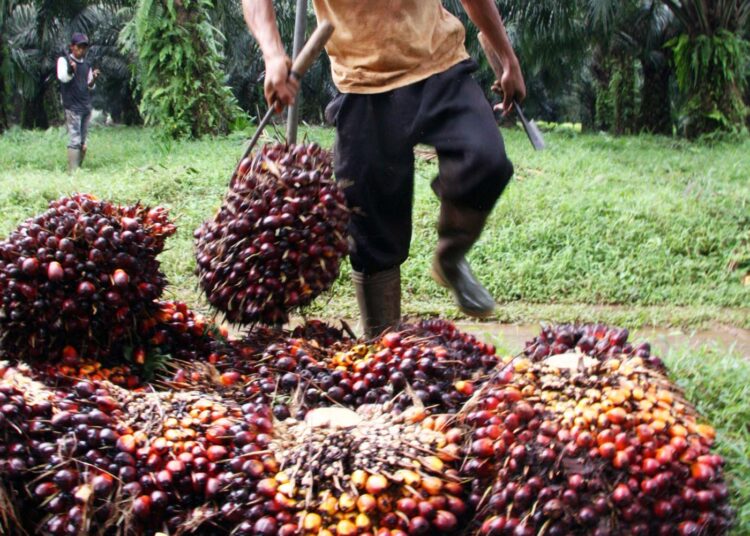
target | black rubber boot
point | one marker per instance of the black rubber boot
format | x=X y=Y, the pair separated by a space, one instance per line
x=379 y=300
x=458 y=229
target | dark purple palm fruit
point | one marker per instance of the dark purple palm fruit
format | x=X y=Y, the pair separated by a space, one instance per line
x=279 y=237
x=79 y=274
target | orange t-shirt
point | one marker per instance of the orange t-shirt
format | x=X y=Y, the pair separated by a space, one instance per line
x=381 y=45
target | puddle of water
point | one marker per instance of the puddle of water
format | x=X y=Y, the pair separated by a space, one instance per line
x=512 y=338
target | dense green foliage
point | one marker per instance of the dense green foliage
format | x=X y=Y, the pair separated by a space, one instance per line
x=709 y=70
x=604 y=63
x=711 y=61
x=633 y=230
x=179 y=70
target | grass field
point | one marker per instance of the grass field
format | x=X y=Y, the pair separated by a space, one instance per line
x=632 y=231
x=627 y=230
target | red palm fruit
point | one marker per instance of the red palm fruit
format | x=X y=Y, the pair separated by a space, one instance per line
x=702 y=472
x=622 y=495
x=55 y=272
x=607 y=450
x=121 y=278
x=445 y=521
x=142 y=507
x=419 y=526
x=102 y=485
x=30 y=266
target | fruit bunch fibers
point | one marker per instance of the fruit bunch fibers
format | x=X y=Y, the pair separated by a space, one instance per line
x=369 y=471
x=279 y=237
x=590 y=441
x=84 y=271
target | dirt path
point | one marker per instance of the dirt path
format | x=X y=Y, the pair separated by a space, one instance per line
x=511 y=338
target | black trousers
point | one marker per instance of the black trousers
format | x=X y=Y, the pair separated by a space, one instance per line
x=374 y=158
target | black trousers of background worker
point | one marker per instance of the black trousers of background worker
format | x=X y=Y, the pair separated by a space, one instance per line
x=374 y=158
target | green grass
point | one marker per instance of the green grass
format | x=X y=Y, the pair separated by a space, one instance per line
x=719 y=385
x=627 y=230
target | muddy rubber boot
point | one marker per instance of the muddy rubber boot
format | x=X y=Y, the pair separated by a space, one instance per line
x=379 y=300
x=74 y=159
x=458 y=230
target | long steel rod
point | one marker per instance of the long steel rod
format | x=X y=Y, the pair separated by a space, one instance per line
x=300 y=27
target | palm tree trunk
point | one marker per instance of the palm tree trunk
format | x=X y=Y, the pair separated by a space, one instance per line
x=3 y=90
x=3 y=115
x=602 y=74
x=623 y=92
x=655 y=114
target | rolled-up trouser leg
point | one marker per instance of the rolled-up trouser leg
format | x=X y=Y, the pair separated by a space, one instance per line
x=74 y=123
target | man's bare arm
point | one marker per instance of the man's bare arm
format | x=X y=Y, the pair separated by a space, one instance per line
x=485 y=15
x=260 y=17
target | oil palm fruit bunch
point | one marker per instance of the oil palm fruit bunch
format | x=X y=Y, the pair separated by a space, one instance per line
x=171 y=333
x=591 y=339
x=597 y=444
x=430 y=363
x=95 y=459
x=83 y=272
x=278 y=239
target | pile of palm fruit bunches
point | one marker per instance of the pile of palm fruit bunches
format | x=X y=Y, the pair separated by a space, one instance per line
x=122 y=413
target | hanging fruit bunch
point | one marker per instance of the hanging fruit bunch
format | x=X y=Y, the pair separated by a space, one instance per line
x=279 y=237
x=598 y=443
x=83 y=272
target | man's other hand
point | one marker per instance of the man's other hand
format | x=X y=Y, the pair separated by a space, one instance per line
x=512 y=88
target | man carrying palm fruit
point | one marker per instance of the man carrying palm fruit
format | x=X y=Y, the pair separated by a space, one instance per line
x=405 y=78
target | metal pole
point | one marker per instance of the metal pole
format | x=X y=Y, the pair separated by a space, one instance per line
x=300 y=27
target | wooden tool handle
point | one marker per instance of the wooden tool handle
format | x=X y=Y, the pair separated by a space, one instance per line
x=497 y=67
x=312 y=49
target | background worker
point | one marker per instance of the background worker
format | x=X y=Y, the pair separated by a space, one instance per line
x=77 y=78
x=405 y=78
